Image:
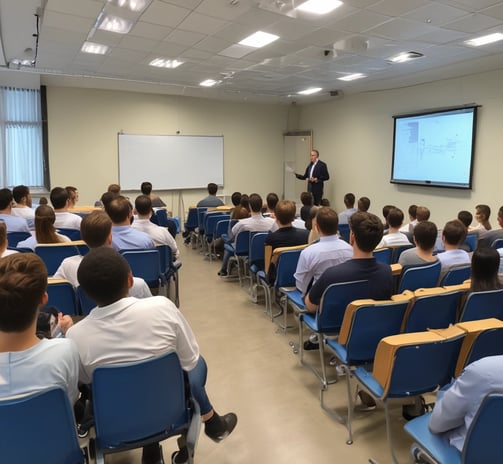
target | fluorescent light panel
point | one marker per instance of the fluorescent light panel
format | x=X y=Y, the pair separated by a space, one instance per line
x=209 y=83
x=136 y=6
x=259 y=39
x=116 y=24
x=319 y=6
x=352 y=77
x=94 y=48
x=310 y=91
x=165 y=63
x=405 y=56
x=485 y=40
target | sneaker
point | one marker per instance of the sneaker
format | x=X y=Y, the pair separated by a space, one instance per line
x=223 y=429
x=222 y=273
x=180 y=457
x=309 y=345
x=82 y=431
x=368 y=403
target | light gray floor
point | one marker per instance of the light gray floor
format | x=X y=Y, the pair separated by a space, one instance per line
x=253 y=372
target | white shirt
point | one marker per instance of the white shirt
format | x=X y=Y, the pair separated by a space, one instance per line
x=31 y=242
x=69 y=267
x=49 y=363
x=255 y=223
x=132 y=330
x=26 y=213
x=393 y=239
x=67 y=220
x=158 y=234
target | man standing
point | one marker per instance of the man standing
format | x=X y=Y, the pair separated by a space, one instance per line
x=316 y=173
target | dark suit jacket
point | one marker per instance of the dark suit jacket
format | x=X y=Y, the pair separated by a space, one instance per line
x=321 y=173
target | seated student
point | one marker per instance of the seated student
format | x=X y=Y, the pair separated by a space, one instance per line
x=73 y=196
x=412 y=220
x=485 y=267
x=271 y=201
x=13 y=223
x=160 y=235
x=96 y=231
x=45 y=232
x=425 y=236
x=349 y=202
x=456 y=407
x=385 y=211
x=394 y=237
x=124 y=237
x=482 y=214
x=453 y=236
x=61 y=202
x=363 y=204
x=146 y=189
x=306 y=198
x=23 y=208
x=325 y=202
x=151 y=326
x=422 y=214
x=494 y=234
x=211 y=201
x=28 y=364
x=466 y=218
x=4 y=243
x=314 y=236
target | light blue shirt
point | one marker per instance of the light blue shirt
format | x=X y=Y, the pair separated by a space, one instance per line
x=14 y=223
x=455 y=410
x=452 y=258
x=345 y=215
x=127 y=238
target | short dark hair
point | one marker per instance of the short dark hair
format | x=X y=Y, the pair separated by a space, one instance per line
x=245 y=201
x=425 y=233
x=454 y=232
x=412 y=211
x=236 y=198
x=325 y=202
x=367 y=230
x=146 y=188
x=285 y=212
x=395 y=217
x=19 y=192
x=272 y=200
x=306 y=198
x=349 y=200
x=422 y=213
x=103 y=275
x=255 y=202
x=114 y=188
x=3 y=234
x=485 y=266
x=23 y=281
x=5 y=198
x=107 y=197
x=118 y=209
x=364 y=204
x=143 y=204
x=327 y=220
x=212 y=188
x=95 y=228
x=465 y=217
x=59 y=197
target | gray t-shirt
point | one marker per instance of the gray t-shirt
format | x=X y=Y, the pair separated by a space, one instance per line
x=410 y=258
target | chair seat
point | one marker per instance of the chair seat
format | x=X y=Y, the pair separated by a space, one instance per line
x=310 y=320
x=339 y=350
x=434 y=444
x=295 y=297
x=370 y=382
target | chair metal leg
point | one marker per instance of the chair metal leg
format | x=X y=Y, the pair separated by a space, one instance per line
x=388 y=433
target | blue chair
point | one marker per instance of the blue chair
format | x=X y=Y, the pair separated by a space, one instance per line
x=498 y=243
x=209 y=229
x=415 y=277
x=256 y=260
x=39 y=428
x=140 y=403
x=471 y=241
x=432 y=309
x=72 y=234
x=483 y=442
x=418 y=366
x=62 y=295
x=365 y=324
x=14 y=238
x=169 y=271
x=53 y=255
x=344 y=232
x=396 y=251
x=239 y=251
x=144 y=264
x=201 y=212
x=483 y=305
x=85 y=303
x=327 y=319
x=456 y=275
x=383 y=255
x=190 y=225
x=164 y=221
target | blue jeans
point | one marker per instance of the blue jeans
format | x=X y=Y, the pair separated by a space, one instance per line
x=197 y=381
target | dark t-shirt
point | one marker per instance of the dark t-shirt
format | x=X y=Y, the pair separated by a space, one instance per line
x=378 y=275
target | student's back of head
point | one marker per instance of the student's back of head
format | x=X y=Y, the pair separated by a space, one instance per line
x=272 y=200
x=45 y=231
x=412 y=212
x=395 y=218
x=118 y=209
x=19 y=192
x=95 y=229
x=255 y=202
x=422 y=213
x=349 y=200
x=306 y=198
x=212 y=188
x=454 y=232
x=327 y=220
x=114 y=188
x=285 y=212
x=5 y=198
x=425 y=235
x=236 y=198
x=465 y=217
x=245 y=201
x=143 y=205
x=367 y=230
x=146 y=188
x=23 y=281
x=59 y=197
x=363 y=204
x=485 y=266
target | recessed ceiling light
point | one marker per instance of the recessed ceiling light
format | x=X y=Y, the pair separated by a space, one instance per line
x=405 y=56
x=352 y=77
x=116 y=24
x=165 y=63
x=484 y=40
x=319 y=6
x=209 y=83
x=133 y=5
x=94 y=48
x=259 y=39
x=310 y=91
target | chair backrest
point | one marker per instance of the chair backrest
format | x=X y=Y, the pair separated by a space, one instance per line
x=191 y=222
x=285 y=268
x=164 y=221
x=201 y=211
x=383 y=255
x=144 y=264
x=344 y=231
x=334 y=301
x=53 y=255
x=257 y=248
x=432 y=310
x=85 y=303
x=221 y=228
x=62 y=295
x=415 y=277
x=242 y=244
x=483 y=440
x=483 y=305
x=39 y=428
x=471 y=241
x=397 y=251
x=138 y=400
x=369 y=321
x=72 y=234
x=487 y=343
x=15 y=237
x=498 y=243
x=211 y=223
x=456 y=275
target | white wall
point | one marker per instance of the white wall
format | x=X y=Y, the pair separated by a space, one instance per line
x=355 y=137
x=83 y=127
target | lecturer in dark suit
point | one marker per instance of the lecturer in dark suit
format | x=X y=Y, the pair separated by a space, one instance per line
x=316 y=173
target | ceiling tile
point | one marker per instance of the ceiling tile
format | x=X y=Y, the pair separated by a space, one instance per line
x=234 y=33
x=169 y=50
x=323 y=37
x=164 y=14
x=223 y=10
x=397 y=7
x=83 y=8
x=360 y=21
x=137 y=43
x=473 y=23
x=67 y=22
x=494 y=11
x=472 y=5
x=401 y=29
x=196 y=22
x=212 y=44
x=436 y=14
x=186 y=38
x=150 y=31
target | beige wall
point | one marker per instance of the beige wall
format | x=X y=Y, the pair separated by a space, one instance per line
x=83 y=127
x=354 y=136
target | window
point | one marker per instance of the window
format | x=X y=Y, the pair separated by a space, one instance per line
x=21 y=140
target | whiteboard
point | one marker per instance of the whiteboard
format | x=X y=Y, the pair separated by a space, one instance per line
x=170 y=162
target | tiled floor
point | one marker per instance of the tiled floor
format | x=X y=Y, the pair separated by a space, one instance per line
x=253 y=371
